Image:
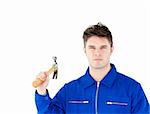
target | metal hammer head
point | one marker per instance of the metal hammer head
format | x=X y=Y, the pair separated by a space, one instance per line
x=54 y=58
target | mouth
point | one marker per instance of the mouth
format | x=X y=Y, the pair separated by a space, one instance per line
x=98 y=59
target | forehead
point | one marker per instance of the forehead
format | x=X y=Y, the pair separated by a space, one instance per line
x=97 y=41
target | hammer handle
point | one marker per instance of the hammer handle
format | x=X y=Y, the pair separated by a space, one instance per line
x=40 y=81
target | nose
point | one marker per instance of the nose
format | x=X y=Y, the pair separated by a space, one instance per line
x=97 y=52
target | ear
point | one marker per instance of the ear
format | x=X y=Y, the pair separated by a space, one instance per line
x=84 y=50
x=112 y=49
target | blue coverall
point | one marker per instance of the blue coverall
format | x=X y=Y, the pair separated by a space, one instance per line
x=115 y=94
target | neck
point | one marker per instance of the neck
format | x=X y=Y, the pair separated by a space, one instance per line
x=99 y=73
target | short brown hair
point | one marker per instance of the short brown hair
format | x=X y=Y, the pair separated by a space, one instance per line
x=99 y=30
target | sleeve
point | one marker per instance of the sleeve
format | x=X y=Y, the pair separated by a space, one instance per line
x=139 y=102
x=46 y=105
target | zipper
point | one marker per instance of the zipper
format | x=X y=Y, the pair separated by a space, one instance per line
x=96 y=98
x=116 y=103
x=79 y=102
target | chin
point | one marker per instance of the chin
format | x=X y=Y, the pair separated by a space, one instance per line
x=97 y=66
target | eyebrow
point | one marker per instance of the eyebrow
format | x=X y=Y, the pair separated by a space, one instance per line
x=102 y=46
x=91 y=46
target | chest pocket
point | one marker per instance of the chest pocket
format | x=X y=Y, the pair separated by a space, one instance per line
x=79 y=106
x=117 y=104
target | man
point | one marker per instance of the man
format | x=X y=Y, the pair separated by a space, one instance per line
x=101 y=90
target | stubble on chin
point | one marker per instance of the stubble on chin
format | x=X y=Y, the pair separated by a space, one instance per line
x=99 y=67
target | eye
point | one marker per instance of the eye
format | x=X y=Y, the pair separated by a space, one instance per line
x=91 y=47
x=103 y=47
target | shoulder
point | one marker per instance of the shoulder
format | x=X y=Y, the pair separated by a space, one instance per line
x=74 y=83
x=126 y=79
x=127 y=82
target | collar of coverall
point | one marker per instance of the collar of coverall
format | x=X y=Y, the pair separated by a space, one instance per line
x=87 y=80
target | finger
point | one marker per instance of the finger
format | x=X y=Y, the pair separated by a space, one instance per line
x=43 y=76
x=37 y=82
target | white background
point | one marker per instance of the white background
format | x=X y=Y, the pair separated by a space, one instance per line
x=32 y=31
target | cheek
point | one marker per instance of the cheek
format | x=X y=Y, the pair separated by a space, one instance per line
x=108 y=55
x=89 y=55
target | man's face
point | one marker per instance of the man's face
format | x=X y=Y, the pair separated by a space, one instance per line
x=98 y=52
